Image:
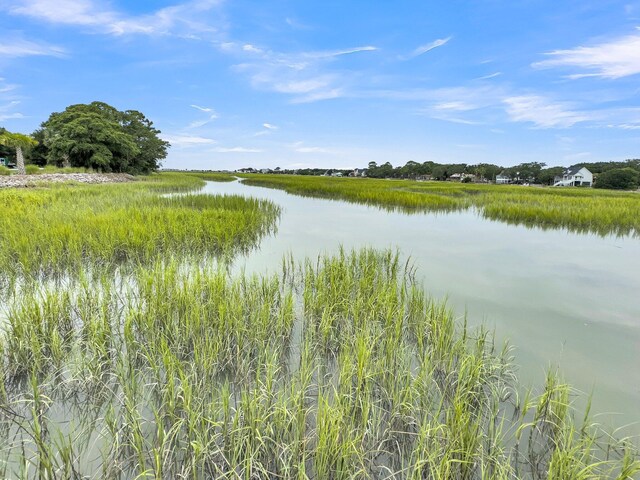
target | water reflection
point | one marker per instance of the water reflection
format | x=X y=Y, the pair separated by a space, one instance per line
x=560 y=297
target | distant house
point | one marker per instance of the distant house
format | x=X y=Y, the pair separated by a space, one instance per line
x=503 y=178
x=456 y=177
x=358 y=172
x=576 y=176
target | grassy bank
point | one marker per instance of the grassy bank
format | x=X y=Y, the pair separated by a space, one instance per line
x=338 y=368
x=58 y=228
x=576 y=209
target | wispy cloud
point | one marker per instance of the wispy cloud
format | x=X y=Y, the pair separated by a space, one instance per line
x=188 y=140
x=614 y=59
x=25 y=48
x=202 y=109
x=542 y=112
x=98 y=16
x=211 y=116
x=422 y=49
x=299 y=147
x=267 y=129
x=306 y=76
x=237 y=150
x=490 y=76
x=6 y=112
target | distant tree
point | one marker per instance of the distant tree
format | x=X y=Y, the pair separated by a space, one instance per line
x=100 y=137
x=485 y=171
x=38 y=154
x=20 y=142
x=525 y=172
x=618 y=179
x=440 y=172
x=547 y=175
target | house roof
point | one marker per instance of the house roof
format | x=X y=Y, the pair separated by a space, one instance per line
x=573 y=170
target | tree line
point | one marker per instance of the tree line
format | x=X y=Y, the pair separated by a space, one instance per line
x=95 y=136
x=534 y=172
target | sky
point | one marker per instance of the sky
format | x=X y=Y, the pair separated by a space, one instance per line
x=337 y=84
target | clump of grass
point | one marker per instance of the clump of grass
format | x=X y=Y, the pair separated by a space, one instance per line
x=214 y=176
x=576 y=209
x=340 y=368
x=49 y=169
x=58 y=229
x=4 y=170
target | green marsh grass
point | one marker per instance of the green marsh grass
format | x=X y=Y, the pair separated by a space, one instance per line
x=576 y=209
x=340 y=367
x=60 y=228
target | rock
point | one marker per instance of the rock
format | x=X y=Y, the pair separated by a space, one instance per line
x=16 y=181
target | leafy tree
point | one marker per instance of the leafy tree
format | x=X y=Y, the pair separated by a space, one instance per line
x=547 y=175
x=20 y=142
x=100 y=137
x=618 y=179
x=485 y=171
x=39 y=153
x=526 y=172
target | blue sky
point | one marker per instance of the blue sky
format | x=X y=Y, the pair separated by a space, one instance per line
x=338 y=83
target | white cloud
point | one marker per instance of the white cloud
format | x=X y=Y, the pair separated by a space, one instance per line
x=202 y=123
x=237 y=150
x=542 y=112
x=267 y=129
x=457 y=106
x=6 y=112
x=421 y=50
x=251 y=48
x=492 y=75
x=202 y=109
x=24 y=48
x=626 y=126
x=305 y=76
x=101 y=18
x=614 y=59
x=299 y=147
x=187 y=140
x=10 y=116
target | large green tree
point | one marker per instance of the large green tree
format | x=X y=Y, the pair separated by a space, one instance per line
x=100 y=137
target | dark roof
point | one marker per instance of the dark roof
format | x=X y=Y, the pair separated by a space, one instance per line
x=573 y=170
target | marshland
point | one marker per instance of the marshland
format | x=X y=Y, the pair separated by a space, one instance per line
x=159 y=329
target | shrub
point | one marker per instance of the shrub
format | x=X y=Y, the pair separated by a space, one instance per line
x=618 y=179
x=4 y=170
x=32 y=169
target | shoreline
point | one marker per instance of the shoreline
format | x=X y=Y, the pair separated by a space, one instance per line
x=26 y=181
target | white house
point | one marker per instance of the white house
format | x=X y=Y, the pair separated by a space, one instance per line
x=576 y=176
x=502 y=178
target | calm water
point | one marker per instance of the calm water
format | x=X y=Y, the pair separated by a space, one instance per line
x=563 y=299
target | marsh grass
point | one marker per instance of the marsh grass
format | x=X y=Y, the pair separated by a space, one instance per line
x=338 y=368
x=59 y=229
x=583 y=210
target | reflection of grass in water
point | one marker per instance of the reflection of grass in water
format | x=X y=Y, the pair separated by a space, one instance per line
x=576 y=209
x=57 y=228
x=187 y=373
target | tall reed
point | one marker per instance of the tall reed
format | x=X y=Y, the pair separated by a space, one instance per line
x=340 y=367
